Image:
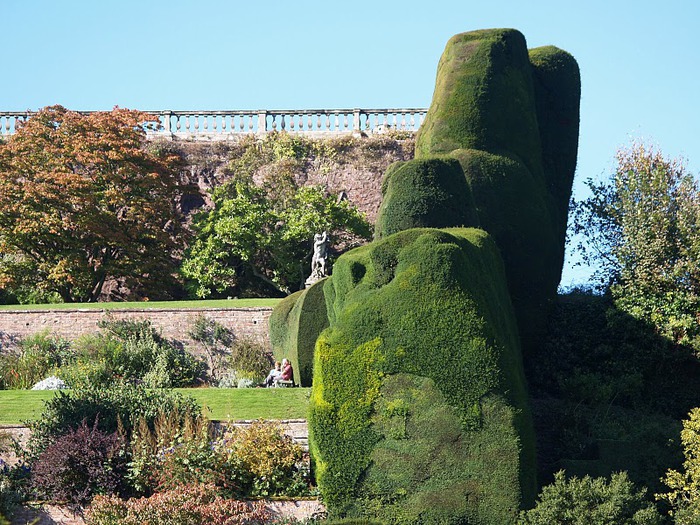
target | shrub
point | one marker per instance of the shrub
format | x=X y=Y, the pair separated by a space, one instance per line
x=10 y=496
x=145 y=355
x=38 y=355
x=80 y=464
x=187 y=505
x=250 y=358
x=352 y=522
x=609 y=393
x=684 y=494
x=256 y=461
x=216 y=340
x=511 y=118
x=121 y=404
x=126 y=350
x=181 y=449
x=272 y=459
x=229 y=379
x=592 y=501
x=90 y=364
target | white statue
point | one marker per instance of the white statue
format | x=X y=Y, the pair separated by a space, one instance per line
x=319 y=260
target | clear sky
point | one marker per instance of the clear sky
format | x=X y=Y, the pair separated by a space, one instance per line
x=639 y=60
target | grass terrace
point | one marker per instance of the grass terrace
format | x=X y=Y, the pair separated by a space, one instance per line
x=17 y=406
x=140 y=305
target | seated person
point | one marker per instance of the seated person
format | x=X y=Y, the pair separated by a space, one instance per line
x=287 y=371
x=274 y=374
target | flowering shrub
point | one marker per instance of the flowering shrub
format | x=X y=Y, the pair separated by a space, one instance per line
x=274 y=461
x=181 y=450
x=186 y=505
x=257 y=461
x=38 y=355
x=80 y=464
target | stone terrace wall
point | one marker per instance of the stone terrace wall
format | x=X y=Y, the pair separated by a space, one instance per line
x=173 y=323
x=356 y=170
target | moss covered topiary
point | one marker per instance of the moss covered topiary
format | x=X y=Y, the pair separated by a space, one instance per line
x=484 y=99
x=557 y=84
x=294 y=326
x=511 y=118
x=418 y=412
x=429 y=193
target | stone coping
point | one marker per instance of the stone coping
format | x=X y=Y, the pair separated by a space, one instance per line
x=138 y=310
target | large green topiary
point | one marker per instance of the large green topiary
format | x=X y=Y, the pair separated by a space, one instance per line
x=511 y=119
x=557 y=84
x=294 y=326
x=419 y=411
x=484 y=99
x=429 y=193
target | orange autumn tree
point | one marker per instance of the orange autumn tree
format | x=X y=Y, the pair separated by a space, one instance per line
x=82 y=201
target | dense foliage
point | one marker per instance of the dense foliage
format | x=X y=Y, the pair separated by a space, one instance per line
x=608 y=393
x=430 y=193
x=126 y=350
x=81 y=201
x=111 y=409
x=79 y=465
x=131 y=441
x=131 y=350
x=421 y=358
x=591 y=501
x=255 y=461
x=511 y=119
x=421 y=361
x=257 y=238
x=684 y=493
x=193 y=504
x=640 y=228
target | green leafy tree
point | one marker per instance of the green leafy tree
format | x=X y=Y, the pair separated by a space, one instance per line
x=591 y=501
x=257 y=239
x=684 y=493
x=640 y=228
x=82 y=201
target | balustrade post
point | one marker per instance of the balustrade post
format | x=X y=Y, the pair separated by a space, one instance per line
x=262 y=121
x=356 y=120
x=168 y=116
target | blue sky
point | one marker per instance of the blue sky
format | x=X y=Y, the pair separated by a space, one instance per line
x=640 y=62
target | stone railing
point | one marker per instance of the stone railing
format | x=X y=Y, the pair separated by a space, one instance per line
x=227 y=123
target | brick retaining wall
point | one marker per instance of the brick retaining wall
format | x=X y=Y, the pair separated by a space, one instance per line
x=173 y=323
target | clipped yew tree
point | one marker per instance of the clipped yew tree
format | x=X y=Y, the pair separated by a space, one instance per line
x=511 y=119
x=424 y=193
x=419 y=409
x=295 y=324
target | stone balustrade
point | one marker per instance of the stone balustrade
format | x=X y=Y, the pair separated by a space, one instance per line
x=222 y=124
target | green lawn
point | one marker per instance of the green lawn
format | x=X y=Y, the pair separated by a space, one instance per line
x=214 y=303
x=221 y=403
